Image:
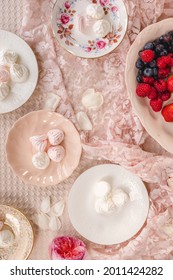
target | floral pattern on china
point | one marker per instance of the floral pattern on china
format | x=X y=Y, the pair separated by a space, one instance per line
x=73 y=14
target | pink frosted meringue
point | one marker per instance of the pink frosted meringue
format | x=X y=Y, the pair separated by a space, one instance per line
x=55 y=136
x=4 y=74
x=39 y=142
x=56 y=153
x=67 y=248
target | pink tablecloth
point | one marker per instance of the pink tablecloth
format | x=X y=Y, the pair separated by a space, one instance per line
x=117 y=134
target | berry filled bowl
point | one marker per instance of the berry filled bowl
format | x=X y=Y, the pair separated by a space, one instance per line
x=149 y=80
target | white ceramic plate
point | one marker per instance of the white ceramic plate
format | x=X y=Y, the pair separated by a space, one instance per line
x=153 y=122
x=20 y=93
x=20 y=151
x=88 y=45
x=18 y=224
x=111 y=228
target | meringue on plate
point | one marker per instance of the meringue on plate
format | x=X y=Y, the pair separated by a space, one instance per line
x=40 y=160
x=101 y=28
x=95 y=11
x=8 y=57
x=19 y=73
x=4 y=91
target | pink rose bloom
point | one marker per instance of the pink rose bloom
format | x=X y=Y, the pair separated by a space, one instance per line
x=114 y=9
x=67 y=5
x=65 y=18
x=104 y=2
x=100 y=44
x=67 y=248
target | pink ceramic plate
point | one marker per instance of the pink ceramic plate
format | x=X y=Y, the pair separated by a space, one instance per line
x=153 y=122
x=19 y=149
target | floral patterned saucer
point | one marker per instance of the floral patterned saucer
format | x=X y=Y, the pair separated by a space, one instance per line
x=19 y=226
x=65 y=23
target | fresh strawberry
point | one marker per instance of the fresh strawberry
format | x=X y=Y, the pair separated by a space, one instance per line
x=143 y=90
x=167 y=112
x=156 y=104
x=170 y=84
x=153 y=93
x=163 y=73
x=163 y=61
x=160 y=85
x=165 y=95
x=147 y=55
x=148 y=80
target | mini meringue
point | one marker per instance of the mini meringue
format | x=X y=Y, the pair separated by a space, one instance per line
x=19 y=73
x=95 y=11
x=55 y=136
x=101 y=28
x=102 y=189
x=40 y=160
x=4 y=91
x=8 y=57
x=119 y=197
x=6 y=238
x=92 y=99
x=4 y=74
x=104 y=206
x=56 y=153
x=39 y=142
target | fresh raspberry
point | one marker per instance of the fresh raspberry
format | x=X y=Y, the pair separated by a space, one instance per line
x=163 y=61
x=147 y=55
x=167 y=113
x=160 y=85
x=153 y=93
x=165 y=95
x=143 y=90
x=170 y=84
x=163 y=73
x=148 y=80
x=156 y=104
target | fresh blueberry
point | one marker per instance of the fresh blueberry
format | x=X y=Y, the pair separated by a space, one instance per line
x=139 y=64
x=166 y=38
x=149 y=46
x=155 y=72
x=153 y=64
x=148 y=72
x=139 y=79
x=164 y=52
x=159 y=48
x=156 y=42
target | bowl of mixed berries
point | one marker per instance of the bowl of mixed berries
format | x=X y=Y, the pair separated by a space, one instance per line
x=149 y=80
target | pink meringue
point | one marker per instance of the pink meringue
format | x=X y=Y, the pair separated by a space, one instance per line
x=55 y=136
x=56 y=153
x=39 y=142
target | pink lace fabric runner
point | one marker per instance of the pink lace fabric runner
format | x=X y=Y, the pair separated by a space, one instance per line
x=117 y=134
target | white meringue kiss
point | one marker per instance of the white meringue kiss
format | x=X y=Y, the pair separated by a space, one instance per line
x=39 y=142
x=40 y=160
x=92 y=99
x=55 y=136
x=56 y=153
x=84 y=121
x=95 y=11
x=8 y=57
x=19 y=73
x=101 y=28
x=4 y=91
x=104 y=206
x=119 y=197
x=102 y=189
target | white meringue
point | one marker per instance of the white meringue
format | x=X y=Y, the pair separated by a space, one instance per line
x=102 y=189
x=40 y=160
x=19 y=73
x=92 y=99
x=6 y=238
x=104 y=206
x=56 y=153
x=4 y=74
x=55 y=136
x=39 y=142
x=95 y=11
x=119 y=197
x=8 y=57
x=4 y=91
x=101 y=28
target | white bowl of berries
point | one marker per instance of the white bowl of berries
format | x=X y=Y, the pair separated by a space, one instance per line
x=149 y=80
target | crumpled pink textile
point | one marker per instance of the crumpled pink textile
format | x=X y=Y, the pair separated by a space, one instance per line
x=117 y=134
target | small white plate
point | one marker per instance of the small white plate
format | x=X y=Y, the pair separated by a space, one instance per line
x=111 y=228
x=20 y=93
x=19 y=225
x=88 y=45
